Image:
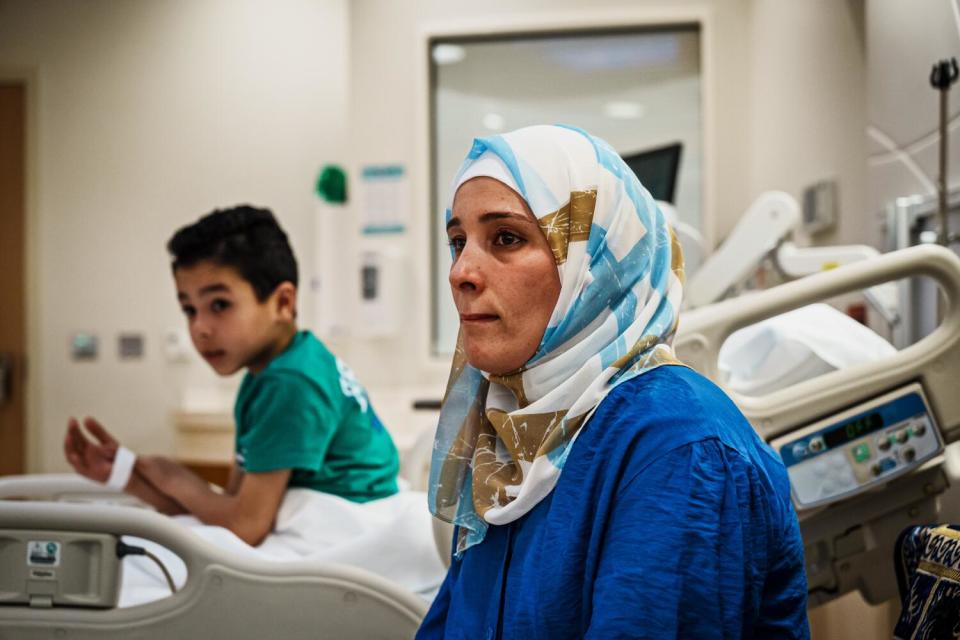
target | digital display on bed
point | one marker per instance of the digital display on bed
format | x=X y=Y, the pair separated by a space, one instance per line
x=853 y=430
x=847 y=453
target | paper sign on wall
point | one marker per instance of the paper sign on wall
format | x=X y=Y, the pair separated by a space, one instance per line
x=384 y=199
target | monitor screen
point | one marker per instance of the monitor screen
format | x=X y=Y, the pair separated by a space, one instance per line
x=657 y=170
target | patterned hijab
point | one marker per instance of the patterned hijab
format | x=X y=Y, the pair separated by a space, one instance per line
x=502 y=440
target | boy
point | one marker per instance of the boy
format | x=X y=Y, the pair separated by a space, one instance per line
x=302 y=418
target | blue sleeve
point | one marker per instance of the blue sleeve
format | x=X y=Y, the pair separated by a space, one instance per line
x=686 y=551
x=435 y=622
x=292 y=423
x=784 y=613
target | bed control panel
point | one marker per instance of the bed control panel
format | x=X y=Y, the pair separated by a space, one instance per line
x=55 y=568
x=860 y=448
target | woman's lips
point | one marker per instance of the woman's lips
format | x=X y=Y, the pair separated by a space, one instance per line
x=214 y=355
x=477 y=317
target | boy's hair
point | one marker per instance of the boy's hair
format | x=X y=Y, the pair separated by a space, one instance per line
x=245 y=238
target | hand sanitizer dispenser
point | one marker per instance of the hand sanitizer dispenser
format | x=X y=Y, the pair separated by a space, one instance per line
x=382 y=285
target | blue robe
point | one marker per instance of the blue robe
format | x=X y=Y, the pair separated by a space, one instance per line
x=671 y=519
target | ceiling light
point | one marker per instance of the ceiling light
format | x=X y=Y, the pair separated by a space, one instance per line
x=494 y=122
x=622 y=110
x=448 y=53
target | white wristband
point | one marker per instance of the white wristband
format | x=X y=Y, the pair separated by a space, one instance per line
x=122 y=469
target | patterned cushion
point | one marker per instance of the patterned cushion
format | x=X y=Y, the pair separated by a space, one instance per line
x=928 y=575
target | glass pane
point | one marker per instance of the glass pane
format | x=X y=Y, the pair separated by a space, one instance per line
x=639 y=90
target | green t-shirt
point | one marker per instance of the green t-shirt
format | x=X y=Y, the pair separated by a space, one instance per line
x=306 y=411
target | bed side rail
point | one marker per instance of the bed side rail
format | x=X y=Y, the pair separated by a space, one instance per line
x=934 y=360
x=53 y=486
x=225 y=596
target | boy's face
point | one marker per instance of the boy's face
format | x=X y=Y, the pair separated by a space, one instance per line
x=229 y=327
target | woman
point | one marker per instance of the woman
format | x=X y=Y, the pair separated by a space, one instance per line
x=598 y=487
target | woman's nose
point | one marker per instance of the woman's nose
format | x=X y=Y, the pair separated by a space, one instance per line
x=466 y=274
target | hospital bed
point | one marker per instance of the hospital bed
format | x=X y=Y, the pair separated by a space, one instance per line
x=864 y=446
x=225 y=595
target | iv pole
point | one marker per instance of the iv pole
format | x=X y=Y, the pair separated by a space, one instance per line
x=943 y=75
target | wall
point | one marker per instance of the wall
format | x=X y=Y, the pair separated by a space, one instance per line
x=147 y=115
x=571 y=79
x=904 y=40
x=784 y=107
x=808 y=77
x=150 y=114
x=388 y=123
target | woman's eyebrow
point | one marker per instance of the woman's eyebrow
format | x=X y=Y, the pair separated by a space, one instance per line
x=502 y=215
x=494 y=215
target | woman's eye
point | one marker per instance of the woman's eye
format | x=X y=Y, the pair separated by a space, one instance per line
x=219 y=305
x=188 y=311
x=507 y=238
x=457 y=243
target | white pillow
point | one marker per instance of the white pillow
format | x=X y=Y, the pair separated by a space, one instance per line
x=796 y=346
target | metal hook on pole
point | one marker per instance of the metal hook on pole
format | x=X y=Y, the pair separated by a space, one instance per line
x=943 y=75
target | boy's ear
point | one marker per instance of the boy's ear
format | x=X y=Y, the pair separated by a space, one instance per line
x=285 y=298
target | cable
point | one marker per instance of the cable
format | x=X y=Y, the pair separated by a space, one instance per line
x=166 y=574
x=124 y=549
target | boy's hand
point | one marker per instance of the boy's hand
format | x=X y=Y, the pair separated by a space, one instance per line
x=93 y=460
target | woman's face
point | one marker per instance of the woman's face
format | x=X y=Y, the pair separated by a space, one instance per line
x=504 y=278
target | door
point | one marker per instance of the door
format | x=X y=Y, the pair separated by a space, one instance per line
x=12 y=287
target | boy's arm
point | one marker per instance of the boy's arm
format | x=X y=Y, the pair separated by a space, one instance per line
x=94 y=460
x=234 y=480
x=249 y=512
x=140 y=487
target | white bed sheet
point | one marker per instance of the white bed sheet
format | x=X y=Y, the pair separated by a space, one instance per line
x=391 y=537
x=796 y=346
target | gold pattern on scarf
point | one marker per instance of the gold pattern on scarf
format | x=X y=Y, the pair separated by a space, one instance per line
x=639 y=347
x=676 y=257
x=561 y=436
x=659 y=356
x=462 y=451
x=677 y=266
x=526 y=437
x=491 y=477
x=457 y=366
x=658 y=353
x=523 y=434
x=514 y=383
x=569 y=223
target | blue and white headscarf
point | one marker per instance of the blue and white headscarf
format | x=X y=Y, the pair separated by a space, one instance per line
x=503 y=439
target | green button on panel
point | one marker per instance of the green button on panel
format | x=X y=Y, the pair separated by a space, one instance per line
x=861 y=452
